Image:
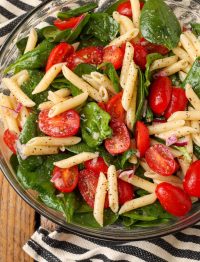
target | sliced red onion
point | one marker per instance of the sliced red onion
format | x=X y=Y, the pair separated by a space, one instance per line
x=171 y=140
x=59 y=183
x=161 y=73
x=128 y=173
x=158 y=121
x=18 y=107
x=181 y=142
x=55 y=177
x=11 y=111
x=20 y=147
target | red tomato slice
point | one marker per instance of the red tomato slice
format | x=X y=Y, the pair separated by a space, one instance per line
x=87 y=185
x=59 y=54
x=88 y=55
x=115 y=109
x=125 y=8
x=65 y=179
x=160 y=160
x=140 y=55
x=10 y=138
x=63 y=125
x=113 y=54
x=160 y=94
x=191 y=182
x=142 y=138
x=125 y=191
x=120 y=140
x=69 y=23
x=97 y=165
x=178 y=102
x=173 y=199
x=153 y=48
x=102 y=105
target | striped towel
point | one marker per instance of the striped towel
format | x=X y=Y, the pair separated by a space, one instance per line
x=64 y=246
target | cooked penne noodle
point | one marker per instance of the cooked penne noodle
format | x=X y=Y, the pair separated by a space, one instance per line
x=129 y=86
x=196 y=139
x=17 y=92
x=3 y=119
x=45 y=105
x=112 y=189
x=32 y=41
x=125 y=23
x=124 y=38
x=63 y=92
x=68 y=104
x=53 y=97
x=173 y=179
x=188 y=46
x=185 y=115
x=184 y=164
x=103 y=80
x=192 y=97
x=179 y=132
x=156 y=181
x=100 y=197
x=75 y=160
x=133 y=160
x=182 y=54
x=135 y=6
x=187 y=69
x=182 y=75
x=139 y=182
x=195 y=125
x=90 y=80
x=104 y=94
x=145 y=166
x=194 y=40
x=76 y=45
x=164 y=127
x=23 y=115
x=21 y=77
x=48 y=78
x=13 y=101
x=81 y=84
x=54 y=141
x=29 y=150
x=176 y=67
x=174 y=152
x=138 y=202
x=189 y=145
x=128 y=58
x=164 y=62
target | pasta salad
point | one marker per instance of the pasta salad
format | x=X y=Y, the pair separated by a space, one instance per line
x=101 y=112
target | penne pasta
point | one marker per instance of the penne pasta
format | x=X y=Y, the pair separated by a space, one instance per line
x=192 y=97
x=156 y=181
x=75 y=160
x=135 y=6
x=133 y=160
x=164 y=127
x=184 y=164
x=48 y=78
x=63 y=92
x=81 y=84
x=195 y=125
x=17 y=92
x=125 y=23
x=176 y=67
x=23 y=115
x=185 y=115
x=3 y=119
x=91 y=81
x=182 y=75
x=194 y=40
x=104 y=81
x=187 y=69
x=138 y=202
x=21 y=77
x=188 y=46
x=164 y=62
x=45 y=105
x=124 y=38
x=182 y=54
x=112 y=189
x=32 y=41
x=29 y=150
x=173 y=179
x=76 y=45
x=104 y=94
x=100 y=197
x=68 y=104
x=179 y=132
x=53 y=97
x=189 y=146
x=54 y=141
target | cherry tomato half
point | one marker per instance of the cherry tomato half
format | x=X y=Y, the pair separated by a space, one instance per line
x=173 y=199
x=102 y=105
x=120 y=140
x=67 y=178
x=10 y=138
x=178 y=102
x=125 y=191
x=191 y=182
x=142 y=138
x=115 y=109
x=59 y=54
x=113 y=54
x=160 y=160
x=88 y=55
x=153 y=48
x=63 y=125
x=125 y=8
x=69 y=23
x=97 y=165
x=160 y=94
x=140 y=55
x=87 y=185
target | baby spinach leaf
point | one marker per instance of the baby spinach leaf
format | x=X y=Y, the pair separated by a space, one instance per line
x=29 y=129
x=140 y=96
x=128 y=221
x=83 y=69
x=95 y=125
x=102 y=26
x=196 y=150
x=90 y=42
x=149 y=115
x=76 y=12
x=112 y=74
x=34 y=59
x=196 y=28
x=176 y=80
x=159 y=25
x=79 y=148
x=62 y=82
x=153 y=223
x=193 y=77
x=113 y=7
x=53 y=34
x=14 y=162
x=123 y=159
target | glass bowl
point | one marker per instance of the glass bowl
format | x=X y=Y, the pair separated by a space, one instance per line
x=186 y=11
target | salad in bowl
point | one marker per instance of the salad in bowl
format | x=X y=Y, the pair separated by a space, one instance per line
x=101 y=112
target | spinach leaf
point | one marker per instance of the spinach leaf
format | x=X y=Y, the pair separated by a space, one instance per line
x=102 y=26
x=110 y=71
x=83 y=69
x=140 y=97
x=149 y=115
x=62 y=82
x=184 y=151
x=196 y=150
x=90 y=42
x=34 y=59
x=196 y=28
x=128 y=221
x=193 y=77
x=159 y=25
x=95 y=125
x=53 y=34
x=153 y=223
x=76 y=12
x=150 y=59
x=14 y=162
x=79 y=148
x=123 y=159
x=113 y=7
x=29 y=129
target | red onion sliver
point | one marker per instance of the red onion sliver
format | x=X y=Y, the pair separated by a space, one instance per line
x=18 y=107
x=161 y=73
x=171 y=140
x=55 y=177
x=181 y=142
x=128 y=173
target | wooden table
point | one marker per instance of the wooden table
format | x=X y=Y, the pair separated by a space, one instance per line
x=17 y=222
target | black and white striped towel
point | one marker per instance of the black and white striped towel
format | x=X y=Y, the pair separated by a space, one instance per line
x=67 y=247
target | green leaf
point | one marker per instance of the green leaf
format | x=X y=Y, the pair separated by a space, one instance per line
x=84 y=69
x=110 y=71
x=153 y=223
x=102 y=26
x=184 y=151
x=76 y=12
x=123 y=159
x=53 y=34
x=113 y=7
x=127 y=221
x=62 y=82
x=193 y=77
x=159 y=25
x=196 y=150
x=31 y=163
x=90 y=42
x=29 y=129
x=196 y=28
x=14 y=162
x=34 y=59
x=95 y=125
x=140 y=97
x=175 y=80
x=149 y=115
x=79 y=148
